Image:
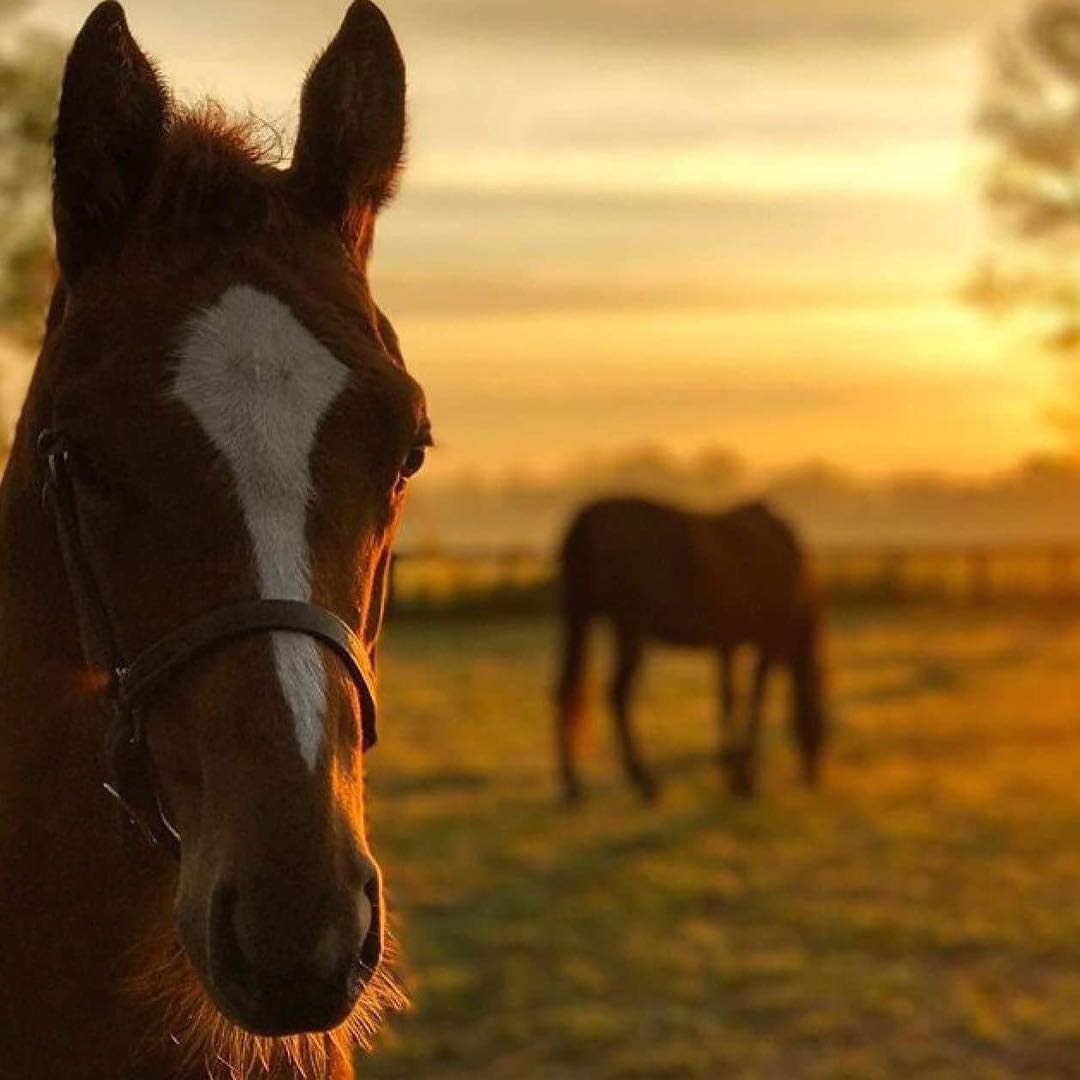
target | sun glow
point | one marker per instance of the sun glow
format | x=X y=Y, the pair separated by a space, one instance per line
x=565 y=204
x=751 y=171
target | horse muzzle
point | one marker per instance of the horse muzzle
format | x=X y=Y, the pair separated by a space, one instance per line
x=273 y=977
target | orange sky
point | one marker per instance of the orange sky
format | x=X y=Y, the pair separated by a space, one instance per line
x=680 y=223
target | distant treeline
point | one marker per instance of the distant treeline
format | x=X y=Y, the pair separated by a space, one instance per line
x=1036 y=502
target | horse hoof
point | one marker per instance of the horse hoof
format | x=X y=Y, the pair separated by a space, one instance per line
x=650 y=794
x=573 y=799
x=743 y=789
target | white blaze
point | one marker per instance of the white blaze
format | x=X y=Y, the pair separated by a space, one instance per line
x=259 y=384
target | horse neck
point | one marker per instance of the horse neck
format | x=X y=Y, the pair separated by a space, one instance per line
x=39 y=650
x=46 y=704
x=52 y=722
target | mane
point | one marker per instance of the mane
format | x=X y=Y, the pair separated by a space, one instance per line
x=167 y=982
x=218 y=173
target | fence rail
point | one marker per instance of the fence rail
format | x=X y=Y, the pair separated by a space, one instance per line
x=521 y=580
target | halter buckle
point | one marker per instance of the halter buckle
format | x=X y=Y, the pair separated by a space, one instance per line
x=47 y=441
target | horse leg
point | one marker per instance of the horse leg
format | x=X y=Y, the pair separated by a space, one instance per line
x=726 y=679
x=744 y=776
x=627 y=666
x=808 y=713
x=570 y=708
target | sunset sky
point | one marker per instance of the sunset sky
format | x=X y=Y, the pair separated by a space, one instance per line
x=684 y=222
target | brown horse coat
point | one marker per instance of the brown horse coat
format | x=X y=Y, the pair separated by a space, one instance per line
x=716 y=581
x=241 y=428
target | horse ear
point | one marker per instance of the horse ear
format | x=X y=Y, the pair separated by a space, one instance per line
x=351 y=137
x=113 y=112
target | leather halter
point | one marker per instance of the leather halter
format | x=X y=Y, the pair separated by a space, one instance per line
x=132 y=685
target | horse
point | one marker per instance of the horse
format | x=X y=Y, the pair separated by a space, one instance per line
x=706 y=581
x=195 y=528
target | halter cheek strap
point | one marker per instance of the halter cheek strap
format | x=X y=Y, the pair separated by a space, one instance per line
x=132 y=686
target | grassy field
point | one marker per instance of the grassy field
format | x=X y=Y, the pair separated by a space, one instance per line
x=920 y=916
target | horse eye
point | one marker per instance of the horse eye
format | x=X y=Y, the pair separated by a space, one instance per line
x=415 y=458
x=414 y=461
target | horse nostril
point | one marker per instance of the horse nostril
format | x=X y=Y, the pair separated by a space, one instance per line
x=363 y=871
x=370 y=929
x=367 y=905
x=229 y=964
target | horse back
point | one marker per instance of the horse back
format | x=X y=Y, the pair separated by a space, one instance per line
x=687 y=578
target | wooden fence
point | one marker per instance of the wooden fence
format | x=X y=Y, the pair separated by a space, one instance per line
x=521 y=581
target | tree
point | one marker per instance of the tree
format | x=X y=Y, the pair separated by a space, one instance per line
x=30 y=69
x=1030 y=112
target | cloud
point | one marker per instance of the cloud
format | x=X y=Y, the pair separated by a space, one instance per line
x=481 y=255
x=698 y=25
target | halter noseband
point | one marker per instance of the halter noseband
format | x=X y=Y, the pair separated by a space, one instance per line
x=132 y=685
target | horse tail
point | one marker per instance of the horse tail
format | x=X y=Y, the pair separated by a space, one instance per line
x=809 y=715
x=576 y=614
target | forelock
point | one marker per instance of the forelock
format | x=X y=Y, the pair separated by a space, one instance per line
x=218 y=175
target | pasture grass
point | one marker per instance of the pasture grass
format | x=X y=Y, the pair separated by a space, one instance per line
x=919 y=916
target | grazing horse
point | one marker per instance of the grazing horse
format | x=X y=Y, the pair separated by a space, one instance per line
x=195 y=529
x=713 y=581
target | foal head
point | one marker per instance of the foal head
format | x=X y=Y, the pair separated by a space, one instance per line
x=241 y=426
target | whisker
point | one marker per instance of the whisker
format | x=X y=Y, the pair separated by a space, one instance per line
x=200 y=1034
